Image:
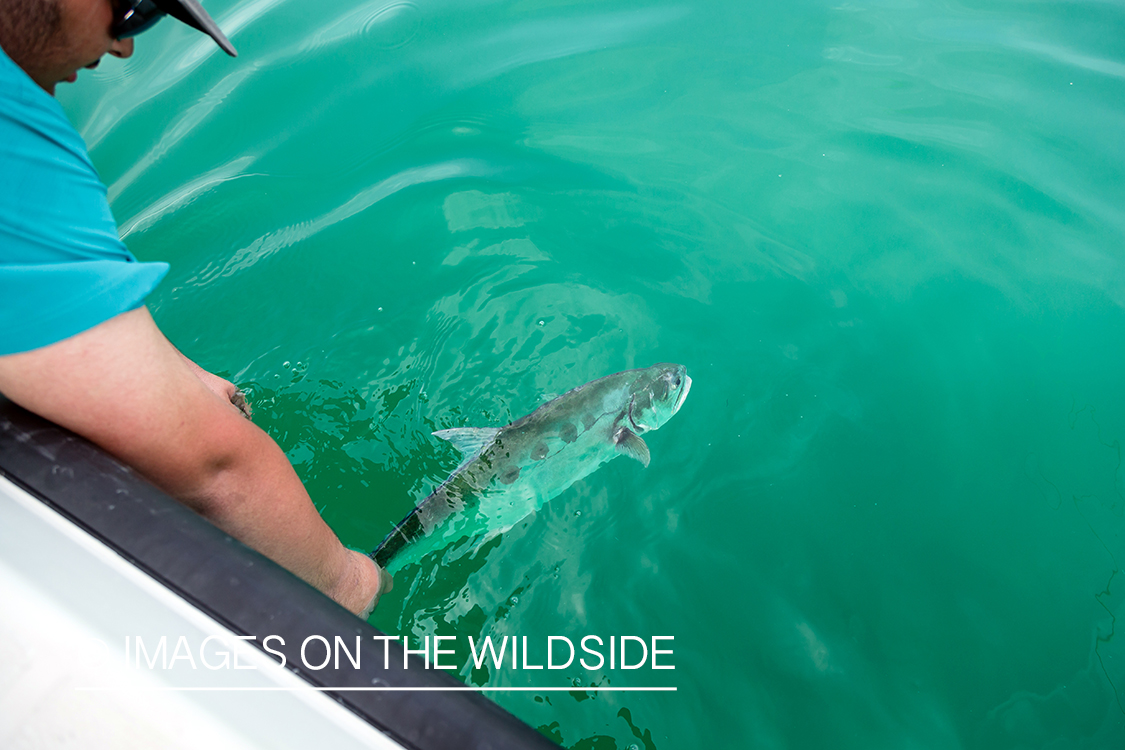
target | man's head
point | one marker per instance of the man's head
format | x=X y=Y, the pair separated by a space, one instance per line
x=52 y=39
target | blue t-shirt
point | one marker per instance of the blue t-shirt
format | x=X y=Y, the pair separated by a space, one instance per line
x=63 y=267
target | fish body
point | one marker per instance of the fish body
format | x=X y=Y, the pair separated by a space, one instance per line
x=509 y=472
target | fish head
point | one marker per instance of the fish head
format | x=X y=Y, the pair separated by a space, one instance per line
x=656 y=395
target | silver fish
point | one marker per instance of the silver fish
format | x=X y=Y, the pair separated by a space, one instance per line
x=511 y=471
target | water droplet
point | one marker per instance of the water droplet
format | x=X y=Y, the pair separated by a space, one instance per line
x=380 y=309
x=515 y=600
x=285 y=363
x=577 y=513
x=542 y=322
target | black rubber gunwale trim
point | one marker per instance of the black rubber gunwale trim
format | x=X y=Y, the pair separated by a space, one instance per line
x=243 y=590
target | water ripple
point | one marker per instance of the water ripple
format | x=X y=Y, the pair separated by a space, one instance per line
x=172 y=65
x=518 y=45
x=379 y=23
x=192 y=118
x=284 y=237
x=185 y=194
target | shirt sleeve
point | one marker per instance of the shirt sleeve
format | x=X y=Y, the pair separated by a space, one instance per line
x=63 y=267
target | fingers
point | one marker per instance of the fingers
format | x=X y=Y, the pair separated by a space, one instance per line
x=366 y=611
x=363 y=585
x=386 y=583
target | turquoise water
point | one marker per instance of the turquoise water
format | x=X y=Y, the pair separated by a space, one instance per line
x=886 y=239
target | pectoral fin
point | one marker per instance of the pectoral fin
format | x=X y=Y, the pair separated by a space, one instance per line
x=631 y=444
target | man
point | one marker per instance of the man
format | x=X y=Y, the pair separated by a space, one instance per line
x=77 y=345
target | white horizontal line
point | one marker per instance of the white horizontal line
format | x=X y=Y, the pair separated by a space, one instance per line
x=385 y=689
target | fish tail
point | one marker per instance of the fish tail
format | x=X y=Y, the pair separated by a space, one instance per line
x=407 y=530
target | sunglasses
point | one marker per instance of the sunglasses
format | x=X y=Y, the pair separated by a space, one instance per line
x=131 y=17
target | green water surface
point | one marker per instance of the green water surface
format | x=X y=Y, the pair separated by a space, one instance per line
x=887 y=239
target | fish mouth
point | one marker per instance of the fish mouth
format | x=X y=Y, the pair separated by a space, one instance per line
x=683 y=393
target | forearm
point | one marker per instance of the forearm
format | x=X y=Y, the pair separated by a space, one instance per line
x=125 y=388
x=239 y=479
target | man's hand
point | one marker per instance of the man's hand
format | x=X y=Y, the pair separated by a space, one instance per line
x=124 y=387
x=362 y=576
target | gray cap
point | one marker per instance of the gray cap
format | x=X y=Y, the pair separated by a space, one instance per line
x=192 y=13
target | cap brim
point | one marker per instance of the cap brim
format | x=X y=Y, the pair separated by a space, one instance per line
x=192 y=13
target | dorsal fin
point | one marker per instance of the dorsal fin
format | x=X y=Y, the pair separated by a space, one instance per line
x=632 y=445
x=469 y=440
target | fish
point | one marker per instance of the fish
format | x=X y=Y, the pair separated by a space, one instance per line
x=509 y=472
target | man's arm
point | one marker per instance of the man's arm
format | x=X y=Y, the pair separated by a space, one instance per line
x=123 y=386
